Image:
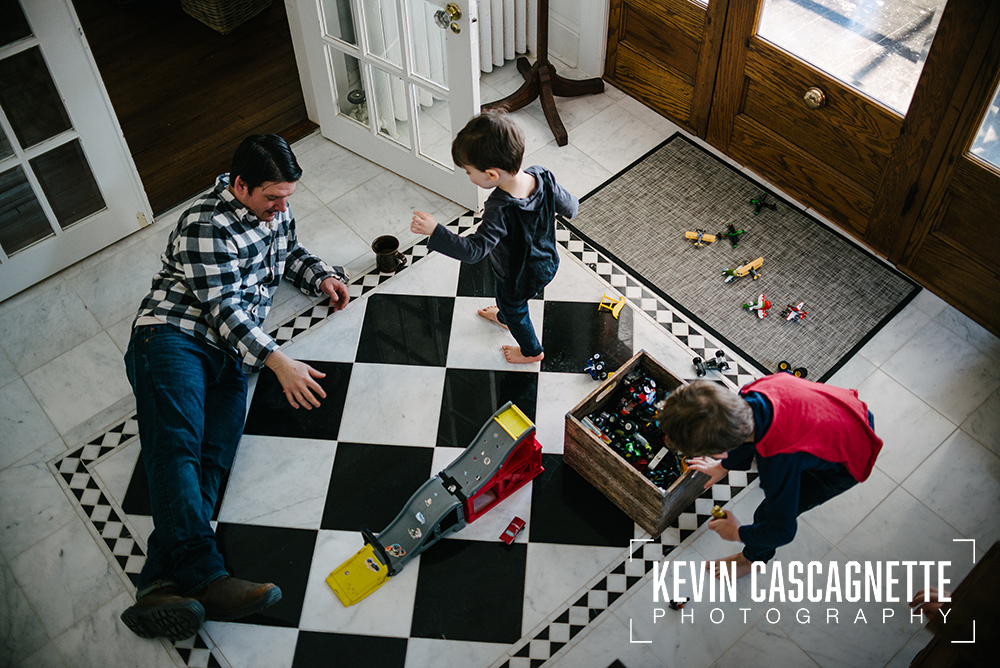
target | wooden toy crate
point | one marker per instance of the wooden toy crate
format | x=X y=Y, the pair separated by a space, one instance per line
x=649 y=506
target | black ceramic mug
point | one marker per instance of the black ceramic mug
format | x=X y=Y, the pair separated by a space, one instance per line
x=388 y=259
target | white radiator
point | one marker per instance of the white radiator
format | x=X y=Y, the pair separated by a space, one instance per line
x=506 y=28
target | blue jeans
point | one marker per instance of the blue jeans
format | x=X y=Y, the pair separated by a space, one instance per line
x=515 y=315
x=191 y=403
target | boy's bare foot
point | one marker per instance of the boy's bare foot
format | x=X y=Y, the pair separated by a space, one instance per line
x=514 y=356
x=743 y=565
x=490 y=313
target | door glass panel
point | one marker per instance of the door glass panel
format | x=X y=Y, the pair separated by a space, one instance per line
x=5 y=149
x=434 y=128
x=986 y=146
x=390 y=107
x=349 y=86
x=22 y=221
x=876 y=46
x=429 y=43
x=338 y=21
x=30 y=99
x=14 y=25
x=68 y=183
x=382 y=24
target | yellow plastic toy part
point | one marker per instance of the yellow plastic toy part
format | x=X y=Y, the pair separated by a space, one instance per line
x=513 y=421
x=358 y=577
x=612 y=304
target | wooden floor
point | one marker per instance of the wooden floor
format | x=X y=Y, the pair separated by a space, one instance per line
x=185 y=95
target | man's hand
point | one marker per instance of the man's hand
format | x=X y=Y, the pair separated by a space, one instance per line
x=728 y=527
x=296 y=380
x=710 y=466
x=337 y=290
x=422 y=223
x=931 y=606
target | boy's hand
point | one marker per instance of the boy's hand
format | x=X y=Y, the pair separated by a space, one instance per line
x=422 y=223
x=711 y=467
x=728 y=527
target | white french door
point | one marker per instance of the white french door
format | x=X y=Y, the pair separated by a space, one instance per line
x=394 y=81
x=68 y=186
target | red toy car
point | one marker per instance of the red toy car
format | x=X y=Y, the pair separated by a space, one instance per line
x=514 y=528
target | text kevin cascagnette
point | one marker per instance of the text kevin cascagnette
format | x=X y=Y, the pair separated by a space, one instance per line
x=797 y=582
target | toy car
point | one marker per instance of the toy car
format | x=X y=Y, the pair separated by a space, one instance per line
x=596 y=367
x=717 y=363
x=799 y=372
x=514 y=528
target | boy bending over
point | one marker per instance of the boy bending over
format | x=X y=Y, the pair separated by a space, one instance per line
x=812 y=442
x=518 y=228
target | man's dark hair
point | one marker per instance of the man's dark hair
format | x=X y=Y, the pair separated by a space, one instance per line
x=491 y=140
x=262 y=158
x=704 y=418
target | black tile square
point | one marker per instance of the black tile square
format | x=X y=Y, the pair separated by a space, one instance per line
x=270 y=554
x=370 y=484
x=340 y=650
x=478 y=280
x=472 y=396
x=470 y=590
x=406 y=329
x=270 y=413
x=136 y=501
x=573 y=331
x=568 y=510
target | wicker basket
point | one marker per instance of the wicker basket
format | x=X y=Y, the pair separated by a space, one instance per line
x=224 y=15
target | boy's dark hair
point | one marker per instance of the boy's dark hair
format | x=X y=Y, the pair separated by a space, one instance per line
x=491 y=140
x=704 y=418
x=262 y=158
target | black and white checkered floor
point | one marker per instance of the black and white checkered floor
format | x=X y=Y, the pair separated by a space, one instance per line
x=412 y=373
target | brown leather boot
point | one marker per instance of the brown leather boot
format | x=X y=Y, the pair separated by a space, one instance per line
x=163 y=612
x=227 y=598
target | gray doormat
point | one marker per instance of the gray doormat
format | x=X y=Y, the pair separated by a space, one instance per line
x=640 y=216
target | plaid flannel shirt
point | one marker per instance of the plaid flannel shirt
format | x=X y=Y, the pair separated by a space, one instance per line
x=221 y=268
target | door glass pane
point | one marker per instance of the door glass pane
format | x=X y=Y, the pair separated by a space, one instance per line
x=429 y=43
x=68 y=183
x=5 y=149
x=382 y=25
x=338 y=21
x=30 y=99
x=434 y=128
x=987 y=143
x=390 y=107
x=14 y=25
x=349 y=86
x=876 y=46
x=22 y=221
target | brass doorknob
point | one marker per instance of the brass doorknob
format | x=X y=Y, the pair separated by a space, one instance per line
x=814 y=98
x=445 y=17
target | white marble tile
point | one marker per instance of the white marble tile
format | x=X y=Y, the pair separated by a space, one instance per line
x=945 y=371
x=279 y=482
x=336 y=340
x=490 y=526
x=23 y=423
x=114 y=289
x=970 y=330
x=834 y=519
x=574 y=171
x=120 y=333
x=558 y=393
x=664 y=348
x=329 y=171
x=606 y=642
x=853 y=373
x=434 y=653
x=615 y=138
x=32 y=504
x=102 y=639
x=21 y=634
x=393 y=404
x=435 y=275
x=59 y=314
x=765 y=645
x=8 y=374
x=574 y=282
x=904 y=657
x=573 y=111
x=969 y=501
x=308 y=143
x=910 y=429
x=895 y=335
x=81 y=382
x=984 y=424
x=929 y=303
x=254 y=645
x=325 y=235
x=303 y=202
x=504 y=79
x=386 y=611
x=536 y=135
x=546 y=587
x=287 y=302
x=46 y=657
x=653 y=119
x=115 y=470
x=476 y=343
x=383 y=205
x=66 y=577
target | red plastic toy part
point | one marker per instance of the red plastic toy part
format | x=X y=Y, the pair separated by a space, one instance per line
x=514 y=528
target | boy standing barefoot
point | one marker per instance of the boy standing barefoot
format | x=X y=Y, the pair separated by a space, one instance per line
x=518 y=228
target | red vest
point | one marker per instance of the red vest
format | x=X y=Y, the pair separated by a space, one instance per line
x=828 y=422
